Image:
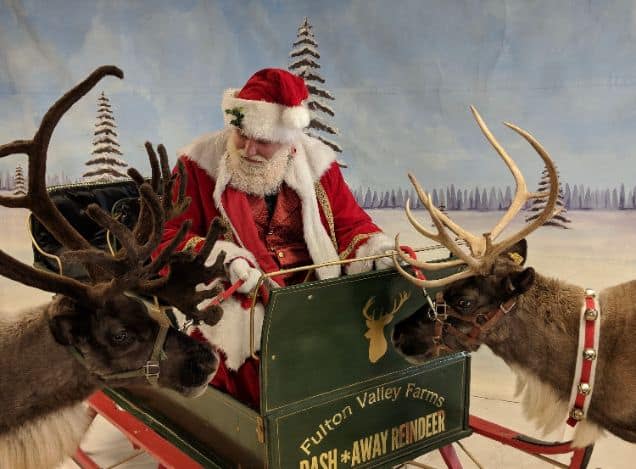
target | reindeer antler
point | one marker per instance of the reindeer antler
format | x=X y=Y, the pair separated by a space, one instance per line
x=162 y=182
x=38 y=201
x=129 y=265
x=129 y=268
x=483 y=250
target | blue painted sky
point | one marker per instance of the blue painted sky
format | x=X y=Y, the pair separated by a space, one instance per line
x=403 y=74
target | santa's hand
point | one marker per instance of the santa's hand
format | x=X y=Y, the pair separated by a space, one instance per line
x=240 y=269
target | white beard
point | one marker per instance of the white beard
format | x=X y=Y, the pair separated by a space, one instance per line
x=258 y=178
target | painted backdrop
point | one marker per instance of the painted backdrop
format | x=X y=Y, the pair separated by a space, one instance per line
x=402 y=75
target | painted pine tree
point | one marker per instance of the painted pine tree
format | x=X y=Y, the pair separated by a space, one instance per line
x=105 y=163
x=19 y=183
x=538 y=205
x=304 y=63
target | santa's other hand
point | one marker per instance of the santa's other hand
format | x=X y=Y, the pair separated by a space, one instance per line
x=240 y=269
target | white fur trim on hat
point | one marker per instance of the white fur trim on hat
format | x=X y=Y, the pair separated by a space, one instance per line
x=263 y=120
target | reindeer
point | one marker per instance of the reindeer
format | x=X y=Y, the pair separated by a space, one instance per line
x=100 y=333
x=375 y=326
x=529 y=320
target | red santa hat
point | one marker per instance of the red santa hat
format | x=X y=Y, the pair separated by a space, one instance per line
x=270 y=106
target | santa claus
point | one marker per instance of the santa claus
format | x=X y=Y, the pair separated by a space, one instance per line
x=284 y=201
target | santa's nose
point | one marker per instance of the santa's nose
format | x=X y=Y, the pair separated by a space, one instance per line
x=251 y=147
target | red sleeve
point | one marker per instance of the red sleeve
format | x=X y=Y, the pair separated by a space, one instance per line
x=194 y=212
x=352 y=225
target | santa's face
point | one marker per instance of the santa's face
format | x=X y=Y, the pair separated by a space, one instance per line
x=254 y=149
x=256 y=166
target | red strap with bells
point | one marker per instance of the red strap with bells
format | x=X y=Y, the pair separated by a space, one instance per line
x=586 y=359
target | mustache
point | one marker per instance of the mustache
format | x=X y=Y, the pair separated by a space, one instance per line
x=250 y=159
x=255 y=158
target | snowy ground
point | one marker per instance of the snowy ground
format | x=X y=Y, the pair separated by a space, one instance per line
x=598 y=251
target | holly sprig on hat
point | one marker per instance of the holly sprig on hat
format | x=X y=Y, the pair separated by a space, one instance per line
x=237 y=112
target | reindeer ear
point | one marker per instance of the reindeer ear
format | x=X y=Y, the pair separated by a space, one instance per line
x=61 y=327
x=519 y=282
x=517 y=253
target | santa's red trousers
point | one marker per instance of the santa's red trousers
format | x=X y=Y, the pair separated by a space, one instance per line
x=242 y=384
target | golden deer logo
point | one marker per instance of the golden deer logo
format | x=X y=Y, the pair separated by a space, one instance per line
x=375 y=326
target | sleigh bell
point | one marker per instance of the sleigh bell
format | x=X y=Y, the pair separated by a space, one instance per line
x=589 y=354
x=577 y=414
x=584 y=388
x=591 y=314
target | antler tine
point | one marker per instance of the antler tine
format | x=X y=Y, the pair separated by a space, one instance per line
x=188 y=269
x=440 y=282
x=549 y=209
x=216 y=229
x=166 y=254
x=161 y=176
x=142 y=228
x=129 y=260
x=176 y=207
x=54 y=283
x=521 y=194
x=420 y=264
x=441 y=221
x=37 y=199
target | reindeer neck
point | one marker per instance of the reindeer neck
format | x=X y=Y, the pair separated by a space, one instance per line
x=39 y=376
x=541 y=334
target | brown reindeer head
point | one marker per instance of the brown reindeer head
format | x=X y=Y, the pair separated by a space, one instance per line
x=119 y=338
x=478 y=296
x=466 y=303
x=375 y=325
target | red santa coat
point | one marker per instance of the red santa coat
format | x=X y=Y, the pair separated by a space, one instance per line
x=334 y=225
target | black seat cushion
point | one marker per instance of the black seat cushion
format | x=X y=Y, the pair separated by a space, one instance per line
x=119 y=198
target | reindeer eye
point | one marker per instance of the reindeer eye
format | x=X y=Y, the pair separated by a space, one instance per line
x=464 y=303
x=120 y=337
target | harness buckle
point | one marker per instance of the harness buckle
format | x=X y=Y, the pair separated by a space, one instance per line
x=186 y=325
x=151 y=369
x=441 y=310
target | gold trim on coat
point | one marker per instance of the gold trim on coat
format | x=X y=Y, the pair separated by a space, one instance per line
x=323 y=200
x=352 y=245
x=192 y=243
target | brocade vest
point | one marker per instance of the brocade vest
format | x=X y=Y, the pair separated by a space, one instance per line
x=282 y=232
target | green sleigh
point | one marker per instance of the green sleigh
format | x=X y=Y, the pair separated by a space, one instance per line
x=334 y=392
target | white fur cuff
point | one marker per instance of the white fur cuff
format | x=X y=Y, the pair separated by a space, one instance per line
x=232 y=251
x=232 y=333
x=378 y=243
